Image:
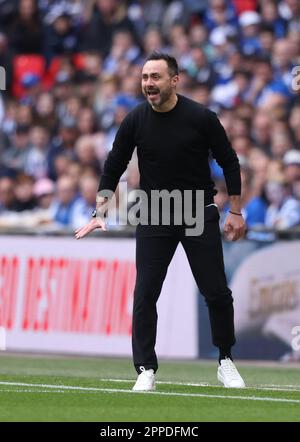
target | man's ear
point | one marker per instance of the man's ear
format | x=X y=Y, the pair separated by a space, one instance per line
x=175 y=80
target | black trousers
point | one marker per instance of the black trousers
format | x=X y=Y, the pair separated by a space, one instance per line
x=155 y=247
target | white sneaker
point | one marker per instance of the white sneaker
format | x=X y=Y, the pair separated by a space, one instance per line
x=145 y=380
x=229 y=376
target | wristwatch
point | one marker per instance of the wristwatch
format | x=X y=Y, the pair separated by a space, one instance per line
x=94 y=214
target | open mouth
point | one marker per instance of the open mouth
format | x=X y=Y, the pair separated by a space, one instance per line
x=152 y=93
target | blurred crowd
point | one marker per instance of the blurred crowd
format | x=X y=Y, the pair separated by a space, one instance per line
x=73 y=73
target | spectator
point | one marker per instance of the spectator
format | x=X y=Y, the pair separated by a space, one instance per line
x=74 y=170
x=85 y=151
x=63 y=144
x=290 y=10
x=63 y=84
x=242 y=145
x=32 y=87
x=130 y=85
x=86 y=87
x=220 y=56
x=201 y=94
x=24 y=115
x=291 y=166
x=44 y=191
x=294 y=124
x=234 y=92
x=104 y=100
x=261 y=130
x=266 y=40
x=25 y=199
x=283 y=61
x=254 y=205
x=8 y=10
x=45 y=112
x=66 y=197
x=85 y=205
x=61 y=165
x=199 y=68
x=36 y=164
x=219 y=13
x=296 y=189
x=70 y=108
x=121 y=106
x=123 y=49
x=14 y=158
x=284 y=209
x=263 y=84
x=249 y=24
x=108 y=16
x=87 y=123
x=92 y=63
x=26 y=32
x=259 y=164
x=198 y=35
x=270 y=16
x=8 y=200
x=280 y=143
x=153 y=41
x=62 y=34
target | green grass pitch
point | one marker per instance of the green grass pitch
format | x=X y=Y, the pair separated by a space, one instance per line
x=48 y=388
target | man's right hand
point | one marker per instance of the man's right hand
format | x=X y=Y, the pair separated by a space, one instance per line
x=95 y=223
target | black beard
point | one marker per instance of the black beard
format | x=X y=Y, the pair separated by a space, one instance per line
x=165 y=95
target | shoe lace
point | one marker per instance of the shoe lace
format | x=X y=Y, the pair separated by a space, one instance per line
x=145 y=374
x=230 y=369
x=143 y=377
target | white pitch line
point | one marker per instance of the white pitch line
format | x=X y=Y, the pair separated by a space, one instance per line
x=57 y=387
x=34 y=390
x=6 y=390
x=188 y=384
x=295 y=387
x=271 y=387
x=157 y=393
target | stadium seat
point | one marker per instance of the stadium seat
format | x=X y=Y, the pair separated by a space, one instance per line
x=55 y=65
x=26 y=64
x=53 y=68
x=79 y=61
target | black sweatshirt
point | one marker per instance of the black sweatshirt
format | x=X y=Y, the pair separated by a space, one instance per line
x=173 y=150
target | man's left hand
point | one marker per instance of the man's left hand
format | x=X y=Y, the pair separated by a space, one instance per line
x=235 y=227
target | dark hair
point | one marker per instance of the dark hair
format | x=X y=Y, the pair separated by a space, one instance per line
x=171 y=61
x=263 y=59
x=241 y=71
x=265 y=27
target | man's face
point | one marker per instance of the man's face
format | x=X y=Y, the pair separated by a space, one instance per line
x=264 y=72
x=66 y=190
x=275 y=192
x=157 y=84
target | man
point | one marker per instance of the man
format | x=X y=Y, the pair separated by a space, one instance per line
x=173 y=135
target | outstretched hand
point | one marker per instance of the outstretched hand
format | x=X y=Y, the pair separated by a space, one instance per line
x=95 y=223
x=235 y=227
